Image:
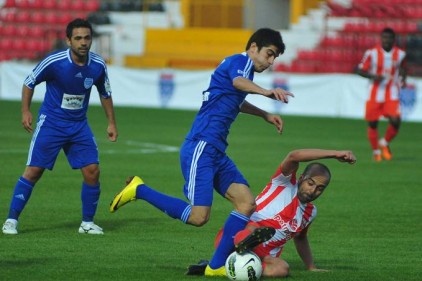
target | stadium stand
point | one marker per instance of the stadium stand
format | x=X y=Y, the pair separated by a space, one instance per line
x=191 y=48
x=201 y=44
x=338 y=48
x=131 y=5
x=31 y=28
x=341 y=50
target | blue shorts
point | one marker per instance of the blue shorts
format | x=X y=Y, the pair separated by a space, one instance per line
x=204 y=169
x=74 y=137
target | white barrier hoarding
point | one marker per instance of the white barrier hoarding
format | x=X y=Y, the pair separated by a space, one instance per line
x=332 y=95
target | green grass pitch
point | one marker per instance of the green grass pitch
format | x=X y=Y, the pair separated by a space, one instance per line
x=368 y=226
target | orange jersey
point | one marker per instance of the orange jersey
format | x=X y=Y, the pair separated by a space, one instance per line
x=377 y=61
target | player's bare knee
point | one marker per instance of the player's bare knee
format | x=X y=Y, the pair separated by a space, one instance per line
x=197 y=220
x=241 y=198
x=246 y=208
x=33 y=174
x=275 y=268
x=91 y=174
x=199 y=216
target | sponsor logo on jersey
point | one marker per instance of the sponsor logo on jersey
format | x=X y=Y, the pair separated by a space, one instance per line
x=79 y=75
x=88 y=82
x=72 y=101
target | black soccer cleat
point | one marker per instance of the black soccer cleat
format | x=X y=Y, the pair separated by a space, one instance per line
x=258 y=236
x=197 y=269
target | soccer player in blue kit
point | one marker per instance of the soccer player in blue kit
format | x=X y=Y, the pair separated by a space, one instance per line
x=62 y=122
x=204 y=163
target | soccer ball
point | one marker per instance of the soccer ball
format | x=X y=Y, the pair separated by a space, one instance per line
x=245 y=267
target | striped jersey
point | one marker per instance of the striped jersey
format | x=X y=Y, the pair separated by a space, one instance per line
x=279 y=207
x=221 y=101
x=377 y=61
x=68 y=85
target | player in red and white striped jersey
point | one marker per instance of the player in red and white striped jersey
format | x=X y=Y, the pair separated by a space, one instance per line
x=286 y=205
x=384 y=66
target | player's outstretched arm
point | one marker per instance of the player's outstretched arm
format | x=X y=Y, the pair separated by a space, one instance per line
x=270 y=118
x=292 y=160
x=248 y=86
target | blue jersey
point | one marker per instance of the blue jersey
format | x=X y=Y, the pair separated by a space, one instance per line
x=221 y=102
x=68 y=85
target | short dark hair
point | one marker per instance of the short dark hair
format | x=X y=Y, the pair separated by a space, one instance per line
x=76 y=23
x=265 y=37
x=389 y=30
x=317 y=168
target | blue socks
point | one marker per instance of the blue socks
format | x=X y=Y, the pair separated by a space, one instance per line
x=89 y=196
x=23 y=190
x=234 y=223
x=21 y=194
x=173 y=207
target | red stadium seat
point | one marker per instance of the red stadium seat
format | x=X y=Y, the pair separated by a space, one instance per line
x=9 y=4
x=37 y=17
x=77 y=5
x=64 y=5
x=302 y=67
x=36 y=45
x=36 y=30
x=23 y=16
x=332 y=41
x=92 y=5
x=334 y=55
x=7 y=15
x=5 y=44
x=411 y=27
x=51 y=17
x=9 y=30
x=49 y=4
x=376 y=26
x=19 y=44
x=23 y=30
x=36 y=4
x=281 y=67
x=23 y=4
x=308 y=55
x=64 y=18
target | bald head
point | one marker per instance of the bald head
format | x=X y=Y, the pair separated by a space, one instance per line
x=317 y=170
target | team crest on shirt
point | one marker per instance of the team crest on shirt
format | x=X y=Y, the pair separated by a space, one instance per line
x=88 y=82
x=407 y=100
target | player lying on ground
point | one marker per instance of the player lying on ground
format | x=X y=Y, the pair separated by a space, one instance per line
x=285 y=204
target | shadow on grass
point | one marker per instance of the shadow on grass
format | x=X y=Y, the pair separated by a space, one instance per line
x=107 y=225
